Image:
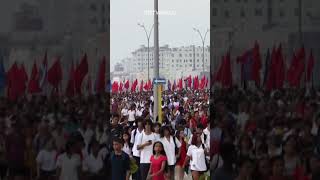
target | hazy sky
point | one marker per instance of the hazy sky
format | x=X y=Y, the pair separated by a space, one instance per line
x=176 y=21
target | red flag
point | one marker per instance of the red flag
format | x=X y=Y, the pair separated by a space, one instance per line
x=217 y=76
x=70 y=91
x=22 y=78
x=134 y=86
x=33 y=85
x=196 y=83
x=127 y=85
x=180 y=85
x=203 y=82
x=115 y=87
x=310 y=66
x=121 y=87
x=101 y=81
x=141 y=86
x=225 y=74
x=280 y=69
x=189 y=81
x=270 y=84
x=12 y=90
x=296 y=69
x=55 y=74
x=256 y=64
x=174 y=85
x=80 y=73
x=146 y=86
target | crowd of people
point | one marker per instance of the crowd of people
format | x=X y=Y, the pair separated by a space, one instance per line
x=100 y=137
x=265 y=135
x=231 y=134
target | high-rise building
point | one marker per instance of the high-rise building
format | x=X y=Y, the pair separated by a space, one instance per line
x=174 y=62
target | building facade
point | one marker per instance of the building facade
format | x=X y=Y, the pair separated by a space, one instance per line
x=237 y=24
x=174 y=62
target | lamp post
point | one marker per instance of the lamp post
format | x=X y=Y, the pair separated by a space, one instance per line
x=156 y=59
x=148 y=38
x=203 y=39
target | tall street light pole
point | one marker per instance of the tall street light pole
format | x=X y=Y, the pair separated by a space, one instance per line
x=148 y=38
x=203 y=39
x=156 y=59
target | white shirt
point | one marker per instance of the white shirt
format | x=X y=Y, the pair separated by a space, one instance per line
x=47 y=160
x=176 y=104
x=131 y=114
x=198 y=158
x=205 y=142
x=147 y=151
x=124 y=112
x=169 y=148
x=127 y=149
x=92 y=164
x=69 y=166
x=139 y=112
x=134 y=141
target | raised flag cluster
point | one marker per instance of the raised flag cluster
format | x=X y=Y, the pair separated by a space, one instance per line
x=275 y=72
x=190 y=83
x=17 y=82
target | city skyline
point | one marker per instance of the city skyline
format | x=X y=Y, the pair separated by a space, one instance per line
x=192 y=14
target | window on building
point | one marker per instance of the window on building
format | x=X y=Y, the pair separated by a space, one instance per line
x=190 y=55
x=197 y=54
x=190 y=65
x=258 y=12
x=180 y=55
x=281 y=13
x=197 y=60
x=214 y=12
x=172 y=60
x=242 y=13
x=172 y=55
x=93 y=7
x=190 y=60
x=226 y=14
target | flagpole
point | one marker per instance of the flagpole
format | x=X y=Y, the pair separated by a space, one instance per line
x=156 y=60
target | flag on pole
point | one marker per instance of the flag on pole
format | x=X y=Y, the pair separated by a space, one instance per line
x=310 y=66
x=55 y=74
x=33 y=85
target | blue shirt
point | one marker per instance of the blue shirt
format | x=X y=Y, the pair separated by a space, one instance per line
x=120 y=164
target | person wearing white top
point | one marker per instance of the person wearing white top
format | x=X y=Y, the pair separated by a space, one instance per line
x=134 y=140
x=131 y=115
x=145 y=144
x=204 y=138
x=69 y=164
x=46 y=161
x=170 y=144
x=196 y=154
x=93 y=163
x=126 y=145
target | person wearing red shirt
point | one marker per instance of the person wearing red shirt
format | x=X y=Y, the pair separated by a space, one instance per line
x=158 y=163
